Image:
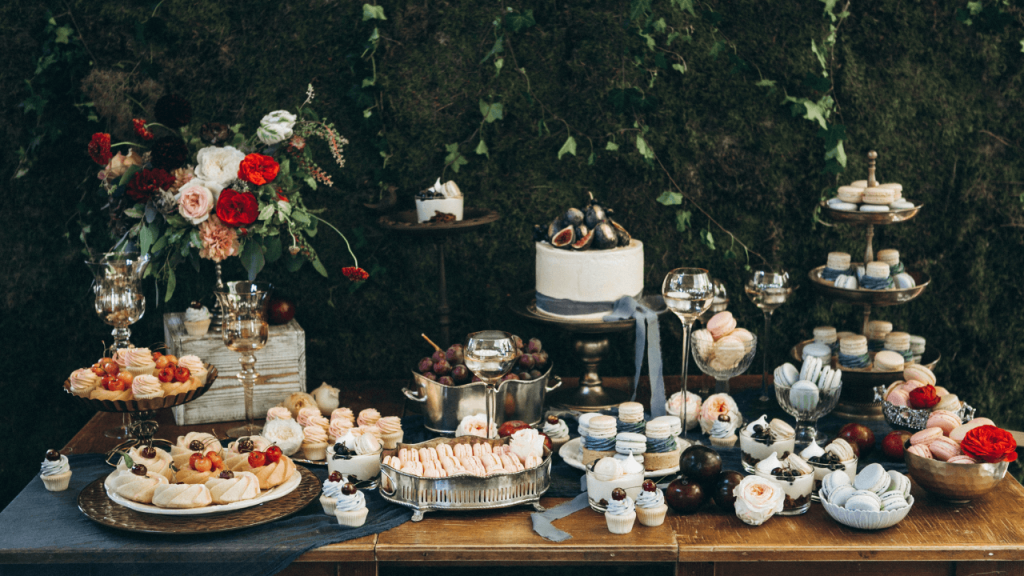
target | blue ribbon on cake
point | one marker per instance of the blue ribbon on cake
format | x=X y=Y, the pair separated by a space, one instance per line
x=661 y=445
x=647 y=335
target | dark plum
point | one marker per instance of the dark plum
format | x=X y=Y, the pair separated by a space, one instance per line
x=527 y=362
x=685 y=496
x=722 y=490
x=524 y=376
x=700 y=464
x=446 y=381
x=509 y=376
x=438 y=355
x=534 y=374
x=430 y=376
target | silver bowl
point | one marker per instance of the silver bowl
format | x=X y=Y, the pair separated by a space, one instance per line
x=956 y=483
x=906 y=418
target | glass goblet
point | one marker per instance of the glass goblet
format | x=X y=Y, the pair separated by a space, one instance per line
x=722 y=362
x=768 y=290
x=719 y=304
x=808 y=408
x=117 y=288
x=245 y=330
x=490 y=355
x=688 y=293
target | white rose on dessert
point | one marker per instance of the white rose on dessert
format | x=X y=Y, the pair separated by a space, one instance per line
x=527 y=442
x=217 y=166
x=276 y=127
x=758 y=499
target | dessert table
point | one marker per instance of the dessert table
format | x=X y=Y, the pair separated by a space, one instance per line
x=984 y=537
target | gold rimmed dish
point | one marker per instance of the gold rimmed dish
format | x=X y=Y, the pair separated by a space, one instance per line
x=892 y=297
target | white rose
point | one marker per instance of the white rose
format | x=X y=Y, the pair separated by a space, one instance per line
x=276 y=127
x=758 y=499
x=527 y=442
x=217 y=166
x=195 y=201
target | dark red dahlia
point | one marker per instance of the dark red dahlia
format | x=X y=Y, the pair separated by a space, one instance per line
x=169 y=153
x=146 y=182
x=99 y=148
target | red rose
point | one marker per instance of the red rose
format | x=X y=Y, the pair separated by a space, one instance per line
x=99 y=148
x=140 y=128
x=355 y=274
x=258 y=169
x=145 y=182
x=990 y=444
x=237 y=209
x=923 y=397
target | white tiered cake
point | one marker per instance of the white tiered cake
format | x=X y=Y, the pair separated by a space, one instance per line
x=584 y=284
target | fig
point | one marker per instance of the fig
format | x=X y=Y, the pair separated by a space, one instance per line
x=573 y=216
x=595 y=215
x=539 y=234
x=564 y=237
x=553 y=228
x=584 y=242
x=580 y=230
x=605 y=236
x=624 y=237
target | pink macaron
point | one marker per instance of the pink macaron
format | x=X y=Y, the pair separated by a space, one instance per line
x=911 y=385
x=940 y=391
x=943 y=448
x=961 y=459
x=926 y=436
x=961 y=431
x=944 y=419
x=898 y=398
x=721 y=324
x=920 y=450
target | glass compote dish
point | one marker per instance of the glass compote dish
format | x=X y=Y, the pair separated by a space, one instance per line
x=245 y=330
x=723 y=361
x=688 y=293
x=490 y=355
x=768 y=290
x=117 y=286
x=808 y=396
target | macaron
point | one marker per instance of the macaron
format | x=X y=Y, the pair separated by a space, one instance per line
x=703 y=342
x=877 y=270
x=961 y=459
x=926 y=436
x=841 y=495
x=846 y=282
x=890 y=256
x=721 y=324
x=873 y=208
x=602 y=427
x=904 y=281
x=817 y=350
x=829 y=379
x=584 y=423
x=901 y=205
x=729 y=352
x=911 y=385
x=943 y=448
x=898 y=397
x=798 y=464
x=825 y=335
x=804 y=396
x=787 y=374
x=631 y=412
x=743 y=335
x=781 y=429
x=607 y=469
x=838 y=261
x=898 y=188
x=864 y=500
x=893 y=501
x=842 y=449
x=659 y=429
x=948 y=402
x=941 y=391
x=840 y=205
x=859 y=183
x=855 y=345
x=944 y=419
x=878 y=329
x=920 y=450
x=833 y=480
x=872 y=478
x=892 y=387
x=850 y=194
x=919 y=373
x=630 y=443
x=900 y=483
x=879 y=196
x=897 y=341
x=811 y=368
x=888 y=361
x=962 y=430
x=917 y=344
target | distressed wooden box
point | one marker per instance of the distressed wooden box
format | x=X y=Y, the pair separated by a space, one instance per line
x=281 y=364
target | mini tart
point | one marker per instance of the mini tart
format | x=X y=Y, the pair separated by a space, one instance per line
x=661 y=460
x=181 y=496
x=161 y=463
x=101 y=393
x=190 y=476
x=244 y=486
x=271 y=475
x=137 y=488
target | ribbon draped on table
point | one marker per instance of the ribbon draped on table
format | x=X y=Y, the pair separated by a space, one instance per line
x=649 y=335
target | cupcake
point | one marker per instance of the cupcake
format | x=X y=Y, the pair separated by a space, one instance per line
x=147 y=387
x=621 y=513
x=314 y=444
x=723 y=432
x=139 y=361
x=368 y=417
x=278 y=413
x=343 y=414
x=390 y=431
x=55 y=471
x=337 y=430
x=557 y=430
x=650 y=505
x=197 y=320
x=715 y=405
x=350 y=507
x=305 y=416
x=195 y=367
x=83 y=381
x=331 y=492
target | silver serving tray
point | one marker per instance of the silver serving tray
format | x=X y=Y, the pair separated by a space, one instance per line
x=463 y=492
x=907 y=418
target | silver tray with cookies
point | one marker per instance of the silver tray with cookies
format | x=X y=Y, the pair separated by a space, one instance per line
x=462 y=490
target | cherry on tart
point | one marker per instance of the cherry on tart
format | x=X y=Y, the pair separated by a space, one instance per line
x=192 y=460
x=98 y=370
x=213 y=457
x=117 y=385
x=139 y=470
x=350 y=489
x=335 y=476
x=245 y=446
x=148 y=452
x=226 y=474
x=161 y=362
x=273 y=454
x=649 y=486
x=105 y=381
x=166 y=374
x=618 y=494
x=110 y=367
x=157 y=355
x=171 y=358
x=52 y=455
x=125 y=379
x=196 y=446
x=182 y=374
x=257 y=459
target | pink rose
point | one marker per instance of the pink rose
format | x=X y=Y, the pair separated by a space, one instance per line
x=195 y=201
x=758 y=499
x=219 y=241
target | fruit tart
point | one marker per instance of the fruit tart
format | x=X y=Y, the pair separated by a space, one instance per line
x=272 y=468
x=137 y=484
x=238 y=451
x=200 y=468
x=192 y=443
x=181 y=496
x=154 y=459
x=229 y=487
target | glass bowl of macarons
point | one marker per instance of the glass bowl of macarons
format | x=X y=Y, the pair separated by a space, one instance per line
x=874 y=500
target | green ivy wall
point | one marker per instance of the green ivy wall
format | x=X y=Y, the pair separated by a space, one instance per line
x=940 y=101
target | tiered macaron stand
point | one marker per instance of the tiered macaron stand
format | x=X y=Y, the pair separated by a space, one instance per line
x=858 y=398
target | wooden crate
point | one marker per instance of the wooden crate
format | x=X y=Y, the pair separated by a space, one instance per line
x=281 y=364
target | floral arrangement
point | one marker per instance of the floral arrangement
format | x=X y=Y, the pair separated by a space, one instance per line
x=212 y=192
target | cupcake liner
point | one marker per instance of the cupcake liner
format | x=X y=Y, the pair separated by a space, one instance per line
x=328 y=504
x=316 y=451
x=620 y=524
x=724 y=442
x=652 y=516
x=352 y=519
x=391 y=441
x=198 y=328
x=57 y=482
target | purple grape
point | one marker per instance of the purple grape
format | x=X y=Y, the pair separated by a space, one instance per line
x=430 y=376
x=442 y=367
x=533 y=346
x=542 y=359
x=455 y=355
x=460 y=374
x=476 y=379
x=524 y=376
x=534 y=374
x=425 y=365
x=437 y=356
x=527 y=362
x=446 y=381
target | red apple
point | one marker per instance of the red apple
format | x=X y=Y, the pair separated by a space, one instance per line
x=892 y=444
x=685 y=496
x=860 y=435
x=281 y=311
x=511 y=427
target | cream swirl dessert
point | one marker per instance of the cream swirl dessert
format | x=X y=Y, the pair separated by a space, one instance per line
x=650 y=499
x=139 y=361
x=314 y=435
x=350 y=507
x=320 y=421
x=197 y=314
x=195 y=367
x=723 y=432
x=621 y=507
x=338 y=429
x=83 y=381
x=279 y=413
x=556 y=429
x=759 y=439
x=349 y=502
x=838 y=455
x=286 y=434
x=368 y=417
x=229 y=487
x=343 y=414
x=306 y=414
x=153 y=458
x=794 y=476
x=146 y=387
x=55 y=471
x=621 y=512
x=526 y=443
x=475 y=425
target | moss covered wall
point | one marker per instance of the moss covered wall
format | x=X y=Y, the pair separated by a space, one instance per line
x=940 y=101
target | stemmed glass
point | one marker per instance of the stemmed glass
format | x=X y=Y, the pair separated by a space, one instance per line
x=768 y=290
x=117 y=286
x=722 y=364
x=245 y=330
x=490 y=355
x=688 y=293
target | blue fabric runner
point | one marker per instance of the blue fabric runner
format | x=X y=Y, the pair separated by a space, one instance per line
x=647 y=332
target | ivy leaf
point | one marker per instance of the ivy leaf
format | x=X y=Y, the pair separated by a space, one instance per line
x=712 y=17
x=455 y=159
x=568 y=148
x=685 y=5
x=491 y=112
x=611 y=146
x=670 y=198
x=645 y=150
x=252 y=258
x=147 y=236
x=974 y=7
x=639 y=9
x=172 y=283
x=821 y=56
x=659 y=61
x=481 y=148
x=717 y=48
x=683 y=220
x=659 y=25
x=371 y=12
x=369 y=82
x=135 y=212
x=681 y=68
x=273 y=246
x=63 y=34
x=497 y=48
x=517 y=22
x=707 y=238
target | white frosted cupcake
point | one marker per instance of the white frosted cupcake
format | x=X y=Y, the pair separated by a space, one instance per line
x=83 y=381
x=331 y=492
x=195 y=367
x=139 y=361
x=55 y=471
x=197 y=320
x=621 y=513
x=350 y=508
x=650 y=505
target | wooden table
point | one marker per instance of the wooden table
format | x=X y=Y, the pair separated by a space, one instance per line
x=984 y=537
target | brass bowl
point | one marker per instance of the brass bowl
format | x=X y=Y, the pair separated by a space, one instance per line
x=876 y=218
x=893 y=297
x=955 y=483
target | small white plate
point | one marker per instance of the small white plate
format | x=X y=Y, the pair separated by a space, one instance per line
x=572 y=453
x=274 y=493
